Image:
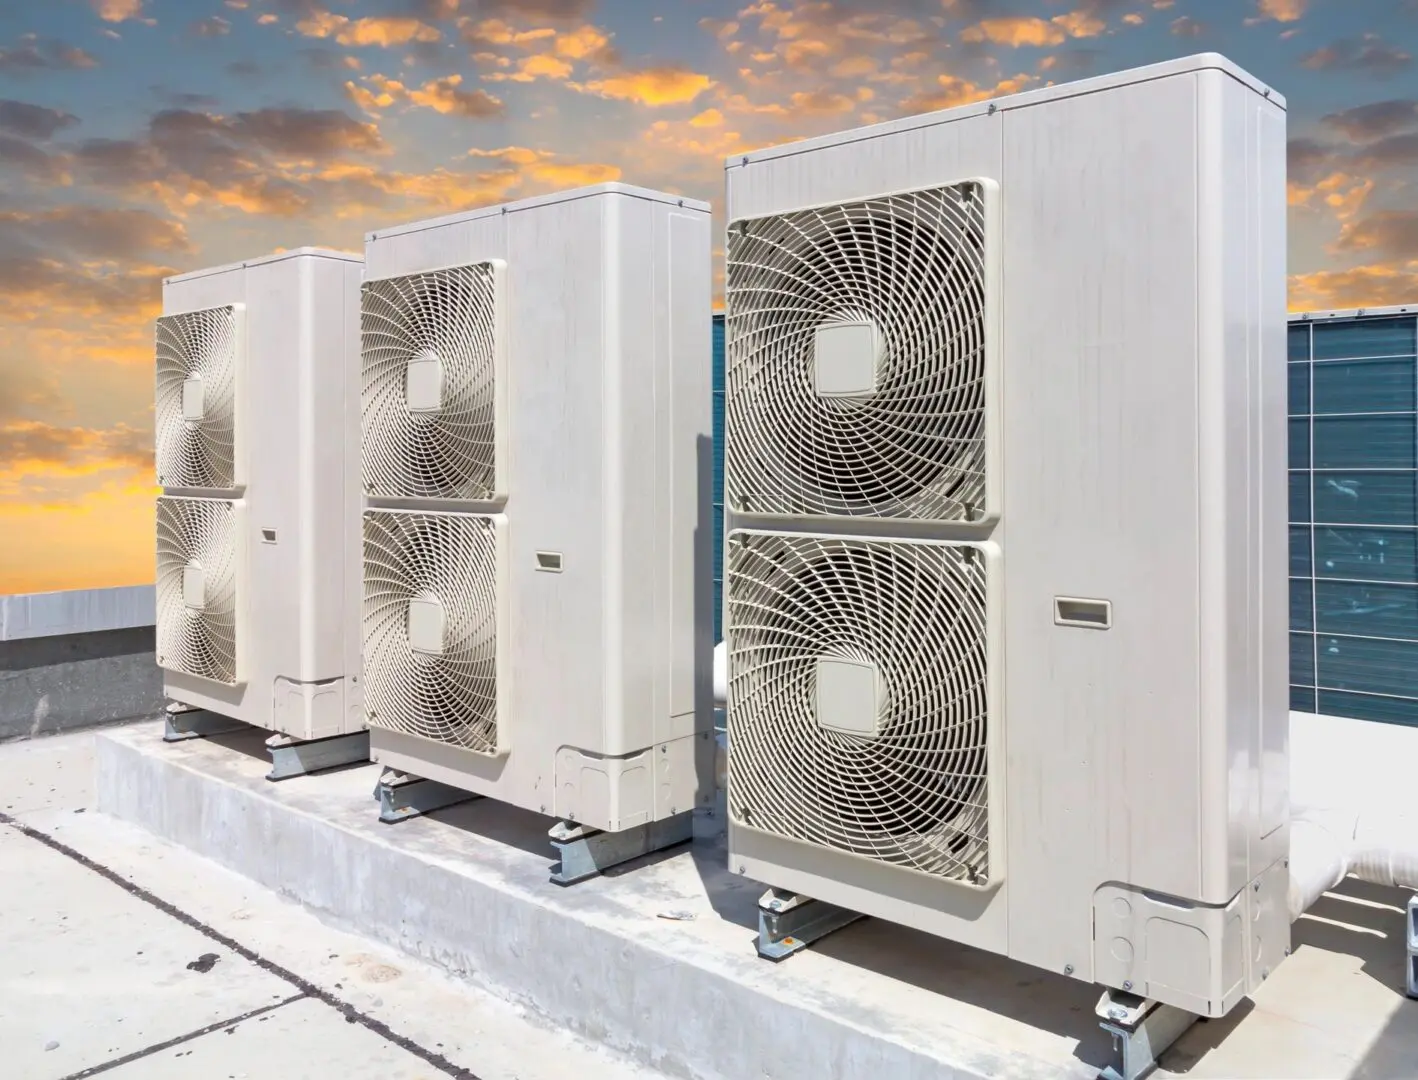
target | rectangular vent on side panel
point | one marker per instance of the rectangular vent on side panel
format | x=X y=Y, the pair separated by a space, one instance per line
x=199 y=360
x=859 y=358
x=860 y=698
x=433 y=385
x=199 y=587
x=434 y=614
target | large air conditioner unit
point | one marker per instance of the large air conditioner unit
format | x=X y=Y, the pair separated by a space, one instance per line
x=536 y=415
x=1006 y=571
x=258 y=546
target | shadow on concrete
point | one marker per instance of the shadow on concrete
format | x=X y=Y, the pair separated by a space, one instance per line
x=489 y=819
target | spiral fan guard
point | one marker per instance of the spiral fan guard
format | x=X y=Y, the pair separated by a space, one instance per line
x=911 y=267
x=198 y=535
x=447 y=560
x=200 y=346
x=450 y=316
x=915 y=792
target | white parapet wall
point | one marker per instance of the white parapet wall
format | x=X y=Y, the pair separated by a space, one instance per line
x=78 y=611
x=77 y=659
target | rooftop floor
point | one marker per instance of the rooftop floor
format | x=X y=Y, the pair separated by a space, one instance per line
x=149 y=962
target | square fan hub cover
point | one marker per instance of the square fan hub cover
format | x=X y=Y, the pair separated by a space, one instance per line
x=193 y=405
x=849 y=696
x=194 y=588
x=426 y=627
x=845 y=358
x=423 y=383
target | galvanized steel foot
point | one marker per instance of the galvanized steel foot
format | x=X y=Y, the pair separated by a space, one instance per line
x=296 y=757
x=1142 y=1030
x=587 y=852
x=1412 y=935
x=401 y=796
x=788 y=922
x=182 y=722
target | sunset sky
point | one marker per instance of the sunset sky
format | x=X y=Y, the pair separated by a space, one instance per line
x=143 y=137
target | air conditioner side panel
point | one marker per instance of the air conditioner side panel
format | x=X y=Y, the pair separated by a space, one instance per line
x=1100 y=496
x=1242 y=514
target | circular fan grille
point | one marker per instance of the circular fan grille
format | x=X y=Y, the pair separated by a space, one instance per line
x=451 y=560
x=200 y=534
x=912 y=268
x=199 y=345
x=914 y=792
x=447 y=452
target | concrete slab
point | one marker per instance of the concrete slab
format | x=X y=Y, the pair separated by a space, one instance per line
x=411 y=1019
x=96 y=973
x=315 y=1041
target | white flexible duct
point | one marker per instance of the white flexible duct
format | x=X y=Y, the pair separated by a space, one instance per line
x=1351 y=807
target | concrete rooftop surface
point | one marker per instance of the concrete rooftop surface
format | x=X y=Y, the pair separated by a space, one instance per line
x=124 y=956
x=107 y=935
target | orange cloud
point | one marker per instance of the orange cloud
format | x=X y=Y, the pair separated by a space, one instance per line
x=1282 y=10
x=117 y=10
x=1375 y=285
x=100 y=538
x=709 y=118
x=441 y=95
x=530 y=68
x=541 y=167
x=1017 y=31
x=654 y=86
x=383 y=30
x=1340 y=192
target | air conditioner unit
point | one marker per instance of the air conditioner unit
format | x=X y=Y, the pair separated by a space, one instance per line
x=1005 y=583
x=536 y=413
x=258 y=554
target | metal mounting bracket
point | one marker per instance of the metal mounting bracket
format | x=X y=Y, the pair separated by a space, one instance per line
x=297 y=757
x=1142 y=1030
x=788 y=922
x=182 y=722
x=401 y=796
x=1411 y=934
x=586 y=852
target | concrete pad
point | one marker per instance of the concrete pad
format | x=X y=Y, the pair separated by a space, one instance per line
x=305 y=1040
x=102 y=974
x=467 y=888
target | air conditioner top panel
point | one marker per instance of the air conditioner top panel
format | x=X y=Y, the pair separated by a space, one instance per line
x=294 y=253
x=1351 y=313
x=590 y=191
x=1181 y=66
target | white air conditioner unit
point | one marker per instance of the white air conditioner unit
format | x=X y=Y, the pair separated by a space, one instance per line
x=1006 y=570
x=258 y=560
x=535 y=433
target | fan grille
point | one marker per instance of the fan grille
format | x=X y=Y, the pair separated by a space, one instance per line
x=912 y=268
x=200 y=534
x=913 y=793
x=448 y=452
x=450 y=560
x=202 y=346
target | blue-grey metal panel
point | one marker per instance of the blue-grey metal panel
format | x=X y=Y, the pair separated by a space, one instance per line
x=1347 y=339
x=1359 y=554
x=1361 y=386
x=1367 y=665
x=1363 y=609
x=1364 y=442
x=1355 y=497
